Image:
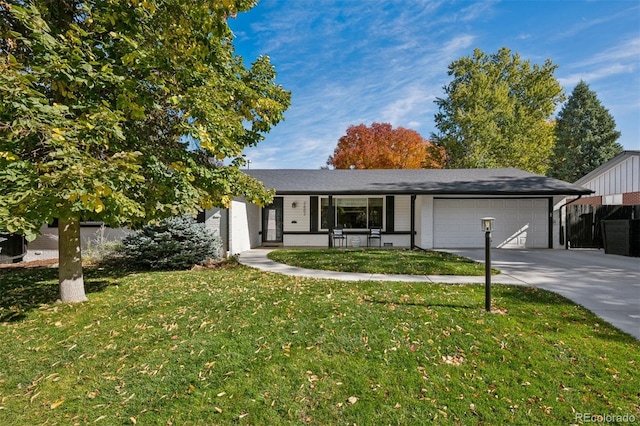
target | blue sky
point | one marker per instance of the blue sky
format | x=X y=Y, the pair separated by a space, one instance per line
x=349 y=62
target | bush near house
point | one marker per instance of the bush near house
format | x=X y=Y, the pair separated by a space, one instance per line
x=174 y=243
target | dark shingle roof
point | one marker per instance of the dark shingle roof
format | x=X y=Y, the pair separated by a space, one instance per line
x=421 y=181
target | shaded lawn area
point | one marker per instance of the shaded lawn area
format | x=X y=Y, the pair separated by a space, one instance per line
x=240 y=346
x=380 y=261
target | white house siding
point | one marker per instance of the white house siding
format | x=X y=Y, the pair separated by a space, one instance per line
x=306 y=240
x=296 y=211
x=621 y=178
x=297 y=223
x=402 y=213
x=520 y=222
x=618 y=184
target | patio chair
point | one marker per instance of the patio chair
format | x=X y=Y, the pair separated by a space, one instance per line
x=374 y=234
x=339 y=236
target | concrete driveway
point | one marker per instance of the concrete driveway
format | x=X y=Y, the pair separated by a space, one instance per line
x=606 y=284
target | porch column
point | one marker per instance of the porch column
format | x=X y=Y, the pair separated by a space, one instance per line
x=413 y=221
x=331 y=221
x=550 y=221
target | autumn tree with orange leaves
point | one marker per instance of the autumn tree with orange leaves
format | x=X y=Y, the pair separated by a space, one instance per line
x=383 y=147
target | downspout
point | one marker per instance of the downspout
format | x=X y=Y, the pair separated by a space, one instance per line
x=413 y=221
x=564 y=232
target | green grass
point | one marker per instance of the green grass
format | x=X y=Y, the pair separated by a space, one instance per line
x=380 y=261
x=240 y=346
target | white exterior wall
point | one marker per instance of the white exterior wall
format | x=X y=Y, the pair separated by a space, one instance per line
x=306 y=240
x=215 y=220
x=396 y=240
x=402 y=213
x=244 y=226
x=623 y=177
x=557 y=221
x=296 y=219
x=523 y=223
x=424 y=221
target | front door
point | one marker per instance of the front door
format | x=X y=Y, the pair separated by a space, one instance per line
x=272 y=222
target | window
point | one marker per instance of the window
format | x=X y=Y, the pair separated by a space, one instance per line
x=354 y=213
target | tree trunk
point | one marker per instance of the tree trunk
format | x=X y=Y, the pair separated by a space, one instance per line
x=70 y=270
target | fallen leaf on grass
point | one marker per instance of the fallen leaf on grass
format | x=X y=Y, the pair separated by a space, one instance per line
x=352 y=400
x=57 y=404
x=453 y=359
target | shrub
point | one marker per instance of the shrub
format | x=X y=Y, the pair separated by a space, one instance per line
x=175 y=243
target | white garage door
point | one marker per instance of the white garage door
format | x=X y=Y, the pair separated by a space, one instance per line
x=520 y=223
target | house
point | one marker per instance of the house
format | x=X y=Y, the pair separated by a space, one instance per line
x=616 y=196
x=424 y=208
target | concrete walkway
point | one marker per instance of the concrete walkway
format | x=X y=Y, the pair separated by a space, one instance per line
x=607 y=285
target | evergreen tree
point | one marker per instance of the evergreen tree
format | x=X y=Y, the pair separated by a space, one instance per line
x=586 y=136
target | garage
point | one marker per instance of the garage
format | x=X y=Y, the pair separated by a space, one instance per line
x=520 y=222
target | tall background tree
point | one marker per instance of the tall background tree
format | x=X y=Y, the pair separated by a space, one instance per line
x=383 y=147
x=586 y=136
x=122 y=112
x=497 y=111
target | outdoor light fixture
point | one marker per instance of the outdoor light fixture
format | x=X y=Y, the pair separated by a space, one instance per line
x=294 y=205
x=487 y=223
x=487 y=227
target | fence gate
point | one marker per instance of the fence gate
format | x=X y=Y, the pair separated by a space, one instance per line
x=584 y=223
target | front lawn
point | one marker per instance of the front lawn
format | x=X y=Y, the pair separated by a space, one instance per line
x=380 y=261
x=239 y=346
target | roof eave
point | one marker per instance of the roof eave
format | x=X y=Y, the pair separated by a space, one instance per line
x=460 y=193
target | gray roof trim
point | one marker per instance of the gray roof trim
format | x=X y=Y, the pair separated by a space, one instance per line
x=421 y=181
x=606 y=166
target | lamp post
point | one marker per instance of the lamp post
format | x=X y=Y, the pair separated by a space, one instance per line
x=487 y=227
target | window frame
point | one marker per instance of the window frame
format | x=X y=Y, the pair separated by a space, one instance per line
x=325 y=199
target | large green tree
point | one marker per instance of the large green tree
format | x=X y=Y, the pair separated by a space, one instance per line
x=497 y=111
x=124 y=112
x=586 y=136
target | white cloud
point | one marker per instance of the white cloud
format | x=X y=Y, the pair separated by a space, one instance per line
x=595 y=74
x=627 y=51
x=349 y=62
